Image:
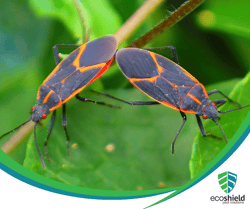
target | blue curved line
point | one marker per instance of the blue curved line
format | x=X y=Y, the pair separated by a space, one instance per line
x=227 y=155
x=220 y=162
x=59 y=191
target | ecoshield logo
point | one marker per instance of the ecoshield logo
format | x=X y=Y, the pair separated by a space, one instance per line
x=227 y=181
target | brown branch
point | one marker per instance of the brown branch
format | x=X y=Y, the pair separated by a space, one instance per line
x=136 y=20
x=171 y=20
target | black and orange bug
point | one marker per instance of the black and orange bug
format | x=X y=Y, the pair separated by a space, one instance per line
x=81 y=68
x=169 y=84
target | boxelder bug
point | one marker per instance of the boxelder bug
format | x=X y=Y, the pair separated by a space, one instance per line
x=82 y=67
x=169 y=84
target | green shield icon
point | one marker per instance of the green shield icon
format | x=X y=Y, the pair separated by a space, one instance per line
x=227 y=181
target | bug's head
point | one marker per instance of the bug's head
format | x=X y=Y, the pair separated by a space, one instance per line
x=210 y=111
x=39 y=112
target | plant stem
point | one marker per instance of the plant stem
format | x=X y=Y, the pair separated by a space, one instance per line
x=83 y=22
x=171 y=20
x=136 y=20
x=17 y=138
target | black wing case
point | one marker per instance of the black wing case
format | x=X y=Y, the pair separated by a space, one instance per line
x=156 y=76
x=81 y=67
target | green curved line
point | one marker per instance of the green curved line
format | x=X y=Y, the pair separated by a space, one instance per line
x=210 y=166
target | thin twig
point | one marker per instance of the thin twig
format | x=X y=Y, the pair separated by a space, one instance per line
x=17 y=138
x=83 y=22
x=171 y=20
x=136 y=20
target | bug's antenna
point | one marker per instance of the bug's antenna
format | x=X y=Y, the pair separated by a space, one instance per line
x=16 y=128
x=234 y=109
x=221 y=130
x=41 y=158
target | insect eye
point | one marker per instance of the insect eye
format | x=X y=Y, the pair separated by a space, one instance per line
x=44 y=116
x=214 y=104
x=32 y=109
x=204 y=116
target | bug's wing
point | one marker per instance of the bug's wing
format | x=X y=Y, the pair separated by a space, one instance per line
x=156 y=76
x=82 y=67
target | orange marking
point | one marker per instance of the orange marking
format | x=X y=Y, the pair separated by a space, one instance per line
x=180 y=96
x=188 y=111
x=38 y=94
x=55 y=107
x=160 y=69
x=93 y=66
x=169 y=105
x=76 y=62
x=194 y=98
x=204 y=90
x=152 y=79
x=164 y=103
x=84 y=69
x=103 y=70
x=47 y=96
x=58 y=66
x=52 y=73
x=91 y=81
x=188 y=74
x=194 y=79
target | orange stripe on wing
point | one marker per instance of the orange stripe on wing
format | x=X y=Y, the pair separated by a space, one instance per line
x=152 y=79
x=204 y=90
x=38 y=94
x=58 y=66
x=55 y=107
x=52 y=73
x=194 y=98
x=160 y=69
x=161 y=102
x=194 y=79
x=188 y=111
x=103 y=70
x=106 y=65
x=84 y=69
x=91 y=67
x=169 y=105
x=76 y=62
x=47 y=96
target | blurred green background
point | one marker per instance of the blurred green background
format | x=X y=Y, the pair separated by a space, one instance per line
x=212 y=44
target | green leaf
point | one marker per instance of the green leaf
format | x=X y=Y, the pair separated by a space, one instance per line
x=230 y=26
x=219 y=15
x=206 y=149
x=140 y=135
x=100 y=16
x=16 y=104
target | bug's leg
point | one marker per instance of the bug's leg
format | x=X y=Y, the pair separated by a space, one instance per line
x=203 y=130
x=130 y=103
x=49 y=132
x=220 y=102
x=173 y=51
x=84 y=99
x=184 y=117
x=64 y=122
x=56 y=51
x=215 y=91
